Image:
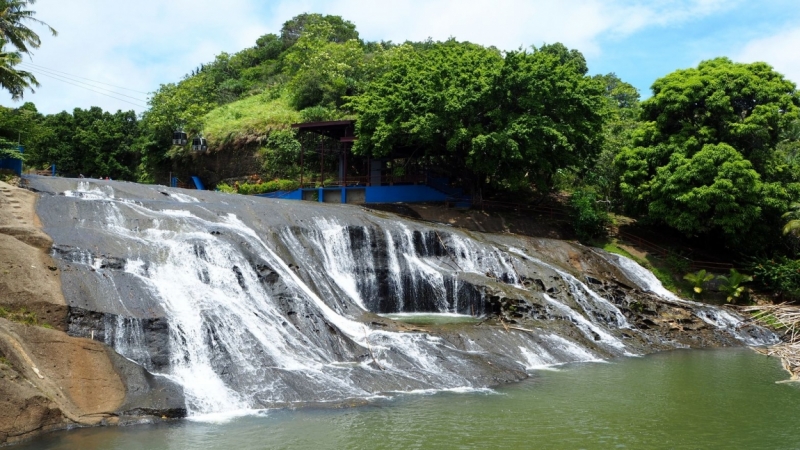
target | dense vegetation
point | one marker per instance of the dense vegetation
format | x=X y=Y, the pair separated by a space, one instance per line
x=713 y=154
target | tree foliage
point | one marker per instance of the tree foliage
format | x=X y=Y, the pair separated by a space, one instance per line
x=90 y=142
x=13 y=80
x=15 y=32
x=322 y=69
x=341 y=30
x=14 y=16
x=589 y=219
x=793 y=216
x=510 y=120
x=704 y=159
x=10 y=150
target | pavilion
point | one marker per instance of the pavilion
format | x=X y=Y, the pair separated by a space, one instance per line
x=397 y=178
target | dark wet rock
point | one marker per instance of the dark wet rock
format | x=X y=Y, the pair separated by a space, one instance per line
x=147 y=394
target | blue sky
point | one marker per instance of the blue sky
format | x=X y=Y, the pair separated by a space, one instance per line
x=139 y=45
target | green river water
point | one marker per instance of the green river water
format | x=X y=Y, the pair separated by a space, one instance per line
x=682 y=399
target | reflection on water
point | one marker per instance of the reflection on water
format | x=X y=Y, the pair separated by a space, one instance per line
x=682 y=399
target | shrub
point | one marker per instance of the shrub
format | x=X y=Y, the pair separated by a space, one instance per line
x=268 y=186
x=780 y=275
x=588 y=218
x=732 y=285
x=698 y=280
x=226 y=188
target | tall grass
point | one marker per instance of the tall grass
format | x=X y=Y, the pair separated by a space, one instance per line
x=255 y=115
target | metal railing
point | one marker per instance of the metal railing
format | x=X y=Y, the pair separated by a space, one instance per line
x=552 y=212
x=664 y=252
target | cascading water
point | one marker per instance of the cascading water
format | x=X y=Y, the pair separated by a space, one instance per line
x=265 y=302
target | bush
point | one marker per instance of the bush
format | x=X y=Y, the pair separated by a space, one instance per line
x=226 y=188
x=281 y=154
x=263 y=188
x=588 y=218
x=780 y=275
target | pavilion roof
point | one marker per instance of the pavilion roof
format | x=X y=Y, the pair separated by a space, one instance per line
x=340 y=130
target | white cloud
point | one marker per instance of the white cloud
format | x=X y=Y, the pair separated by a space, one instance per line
x=141 y=44
x=136 y=45
x=778 y=50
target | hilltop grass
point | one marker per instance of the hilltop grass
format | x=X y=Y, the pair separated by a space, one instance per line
x=253 y=115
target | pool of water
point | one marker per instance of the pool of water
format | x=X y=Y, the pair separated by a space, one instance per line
x=725 y=398
x=432 y=318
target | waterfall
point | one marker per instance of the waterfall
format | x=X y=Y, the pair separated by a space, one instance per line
x=264 y=302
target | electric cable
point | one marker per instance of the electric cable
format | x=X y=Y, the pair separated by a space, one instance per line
x=101 y=93
x=78 y=76
x=48 y=72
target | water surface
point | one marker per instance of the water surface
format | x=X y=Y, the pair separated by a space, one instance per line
x=682 y=399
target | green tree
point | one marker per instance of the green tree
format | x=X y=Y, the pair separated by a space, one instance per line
x=510 y=121
x=704 y=159
x=23 y=126
x=322 y=70
x=9 y=150
x=620 y=120
x=14 y=16
x=341 y=30
x=430 y=101
x=589 y=219
x=90 y=142
x=13 y=80
x=545 y=114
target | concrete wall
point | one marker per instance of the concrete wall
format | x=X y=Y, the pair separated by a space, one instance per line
x=357 y=196
x=332 y=195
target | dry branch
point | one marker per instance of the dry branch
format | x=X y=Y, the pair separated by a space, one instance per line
x=783 y=318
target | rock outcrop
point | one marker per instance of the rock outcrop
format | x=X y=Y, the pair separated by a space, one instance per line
x=48 y=379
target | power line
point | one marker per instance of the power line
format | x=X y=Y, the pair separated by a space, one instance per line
x=48 y=72
x=89 y=89
x=77 y=76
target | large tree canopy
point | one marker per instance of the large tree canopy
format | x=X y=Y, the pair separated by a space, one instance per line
x=705 y=158
x=510 y=120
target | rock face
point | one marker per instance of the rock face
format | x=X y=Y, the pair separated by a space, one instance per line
x=48 y=379
x=253 y=303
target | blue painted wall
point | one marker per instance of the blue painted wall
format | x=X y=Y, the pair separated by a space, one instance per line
x=404 y=194
x=13 y=164
x=374 y=194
